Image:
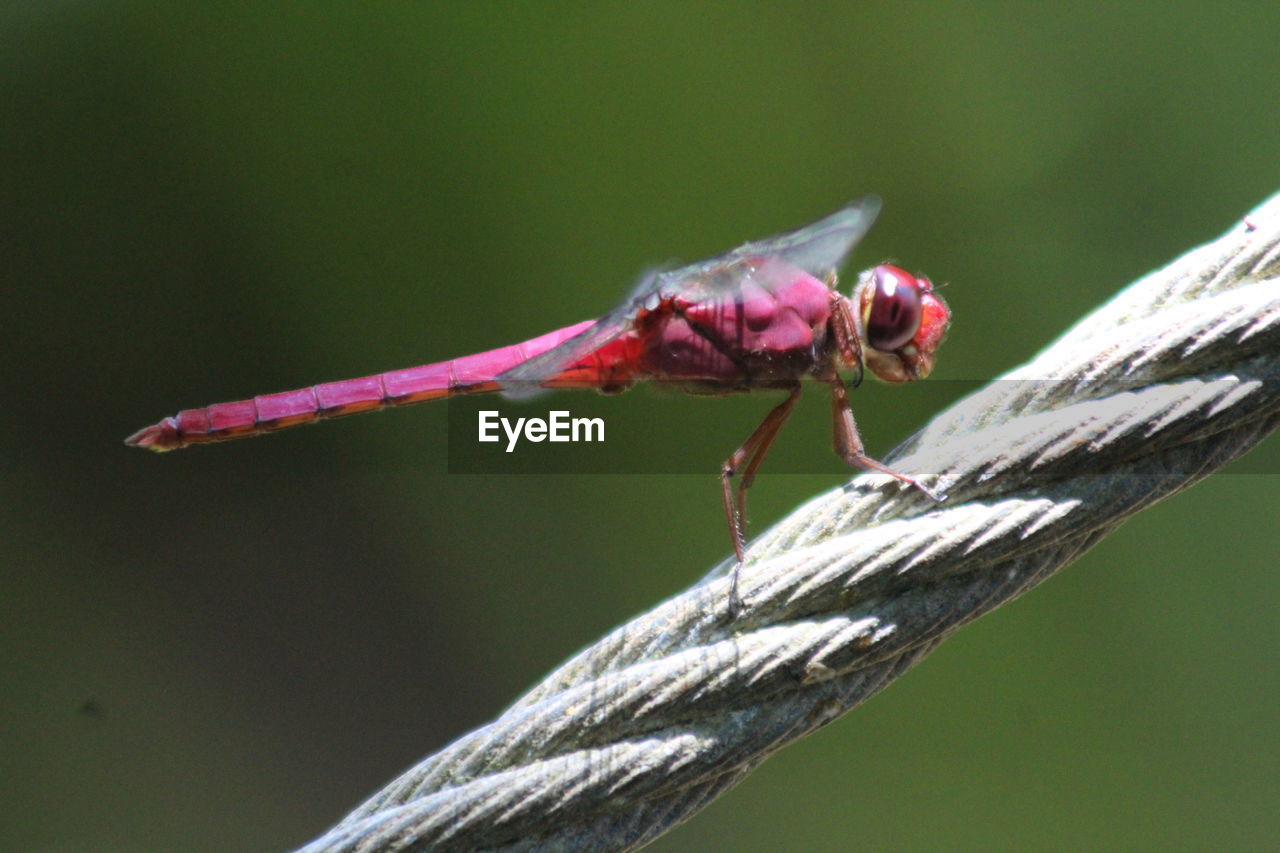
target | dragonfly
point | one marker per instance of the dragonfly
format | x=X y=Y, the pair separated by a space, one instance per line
x=764 y=316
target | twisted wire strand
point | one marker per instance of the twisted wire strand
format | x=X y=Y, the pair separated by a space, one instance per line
x=1173 y=378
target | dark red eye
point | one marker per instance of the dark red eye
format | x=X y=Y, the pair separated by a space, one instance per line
x=895 y=308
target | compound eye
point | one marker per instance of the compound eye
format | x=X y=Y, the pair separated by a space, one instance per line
x=895 y=308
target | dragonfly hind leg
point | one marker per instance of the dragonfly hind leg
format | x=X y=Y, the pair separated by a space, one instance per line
x=746 y=459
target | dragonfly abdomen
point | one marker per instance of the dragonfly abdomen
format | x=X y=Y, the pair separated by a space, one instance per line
x=471 y=374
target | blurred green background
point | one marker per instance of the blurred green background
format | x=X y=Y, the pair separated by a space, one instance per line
x=229 y=648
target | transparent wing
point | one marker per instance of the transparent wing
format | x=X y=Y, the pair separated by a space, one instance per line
x=818 y=249
x=522 y=381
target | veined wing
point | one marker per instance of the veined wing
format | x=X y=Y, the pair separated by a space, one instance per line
x=523 y=381
x=818 y=249
x=821 y=248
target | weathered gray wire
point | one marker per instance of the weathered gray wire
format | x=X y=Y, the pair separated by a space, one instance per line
x=1171 y=379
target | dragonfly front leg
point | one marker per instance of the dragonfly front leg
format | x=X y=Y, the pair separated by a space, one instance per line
x=848 y=443
x=844 y=331
x=747 y=459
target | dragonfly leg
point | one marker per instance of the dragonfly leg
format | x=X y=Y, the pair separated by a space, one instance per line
x=848 y=443
x=844 y=330
x=746 y=459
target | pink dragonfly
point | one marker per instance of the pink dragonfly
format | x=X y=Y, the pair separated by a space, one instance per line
x=763 y=316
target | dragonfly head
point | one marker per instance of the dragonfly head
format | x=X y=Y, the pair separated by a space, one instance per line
x=901 y=323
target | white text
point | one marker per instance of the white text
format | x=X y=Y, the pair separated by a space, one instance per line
x=559 y=426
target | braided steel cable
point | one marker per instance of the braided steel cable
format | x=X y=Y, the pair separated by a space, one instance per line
x=1173 y=378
